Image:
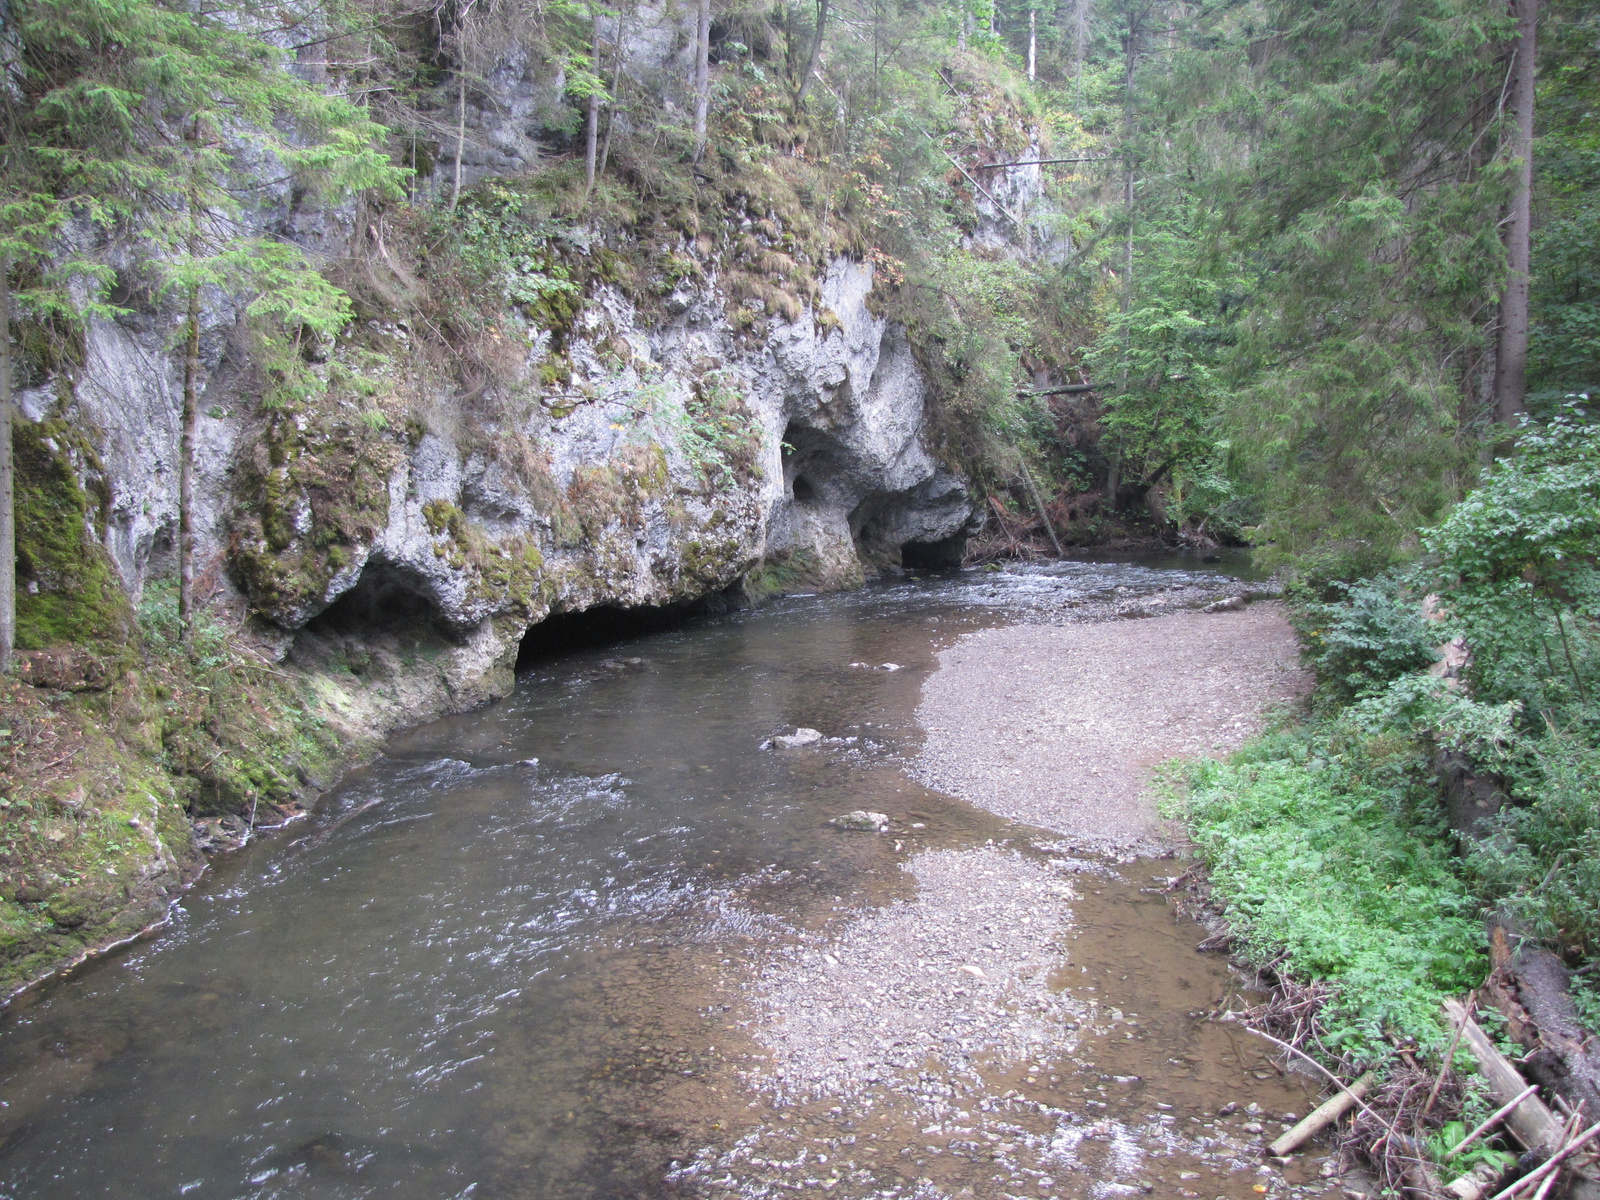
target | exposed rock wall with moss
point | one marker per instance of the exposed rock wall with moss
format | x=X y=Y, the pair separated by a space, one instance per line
x=702 y=379
x=372 y=550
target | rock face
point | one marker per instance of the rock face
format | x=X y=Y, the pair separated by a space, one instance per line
x=647 y=446
x=680 y=460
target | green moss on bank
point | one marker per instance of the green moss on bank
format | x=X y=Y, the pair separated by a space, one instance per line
x=110 y=764
x=67 y=588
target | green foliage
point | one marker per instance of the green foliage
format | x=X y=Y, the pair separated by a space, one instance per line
x=510 y=245
x=1315 y=241
x=1541 y=859
x=1514 y=569
x=1518 y=562
x=1564 y=354
x=1324 y=852
x=1356 y=644
x=144 y=117
x=972 y=321
x=1161 y=359
x=1480 y=1153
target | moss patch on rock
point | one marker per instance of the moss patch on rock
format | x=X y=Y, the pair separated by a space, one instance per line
x=311 y=498
x=68 y=591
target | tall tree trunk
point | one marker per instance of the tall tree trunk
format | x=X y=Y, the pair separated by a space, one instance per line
x=8 y=499
x=191 y=417
x=1511 y=343
x=616 y=93
x=961 y=29
x=1131 y=58
x=814 y=59
x=461 y=133
x=702 y=77
x=1033 y=43
x=1080 y=45
x=591 y=132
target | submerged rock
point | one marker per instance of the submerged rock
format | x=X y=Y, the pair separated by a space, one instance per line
x=800 y=737
x=862 y=821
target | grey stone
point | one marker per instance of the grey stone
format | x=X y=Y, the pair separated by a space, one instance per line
x=862 y=821
x=800 y=737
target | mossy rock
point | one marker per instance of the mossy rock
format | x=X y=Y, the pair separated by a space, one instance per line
x=337 y=475
x=68 y=589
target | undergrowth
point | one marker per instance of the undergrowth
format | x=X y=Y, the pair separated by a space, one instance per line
x=1325 y=855
x=1328 y=841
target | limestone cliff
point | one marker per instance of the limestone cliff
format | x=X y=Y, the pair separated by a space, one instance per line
x=693 y=388
x=675 y=457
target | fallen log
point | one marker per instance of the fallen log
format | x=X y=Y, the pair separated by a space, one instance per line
x=1531 y=1122
x=1475 y=1184
x=1321 y=1117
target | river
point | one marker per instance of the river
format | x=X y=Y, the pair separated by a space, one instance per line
x=542 y=949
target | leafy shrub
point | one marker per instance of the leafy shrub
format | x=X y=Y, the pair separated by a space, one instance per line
x=1369 y=636
x=1543 y=857
x=1517 y=562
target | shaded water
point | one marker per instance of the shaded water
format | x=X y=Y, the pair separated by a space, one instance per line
x=473 y=973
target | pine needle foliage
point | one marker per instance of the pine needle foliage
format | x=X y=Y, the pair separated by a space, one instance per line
x=148 y=127
x=1338 y=160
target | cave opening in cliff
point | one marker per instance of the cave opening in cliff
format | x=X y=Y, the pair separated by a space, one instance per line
x=377 y=626
x=387 y=598
x=811 y=460
x=607 y=625
x=943 y=555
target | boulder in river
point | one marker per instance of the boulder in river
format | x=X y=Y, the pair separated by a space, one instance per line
x=862 y=821
x=800 y=737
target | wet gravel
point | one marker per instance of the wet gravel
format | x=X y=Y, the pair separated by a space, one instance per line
x=1060 y=726
x=960 y=973
x=978 y=1037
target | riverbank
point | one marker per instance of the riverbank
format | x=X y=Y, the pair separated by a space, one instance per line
x=1028 y=1018
x=1061 y=726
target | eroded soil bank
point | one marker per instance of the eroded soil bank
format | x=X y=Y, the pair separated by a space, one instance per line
x=593 y=942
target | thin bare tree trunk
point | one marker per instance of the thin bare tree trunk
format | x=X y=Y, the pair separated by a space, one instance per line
x=1038 y=504
x=190 y=419
x=1511 y=343
x=616 y=94
x=1033 y=43
x=591 y=132
x=8 y=499
x=1113 y=475
x=702 y=77
x=461 y=132
x=814 y=59
x=1080 y=45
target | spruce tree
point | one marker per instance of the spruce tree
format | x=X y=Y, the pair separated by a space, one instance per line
x=144 y=120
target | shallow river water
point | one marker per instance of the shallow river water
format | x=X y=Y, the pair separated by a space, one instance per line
x=593 y=941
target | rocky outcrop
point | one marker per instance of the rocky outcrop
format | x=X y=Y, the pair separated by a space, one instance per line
x=677 y=458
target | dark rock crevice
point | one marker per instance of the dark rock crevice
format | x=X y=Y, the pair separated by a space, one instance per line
x=606 y=625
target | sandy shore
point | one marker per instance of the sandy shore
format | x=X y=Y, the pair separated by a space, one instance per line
x=1060 y=726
